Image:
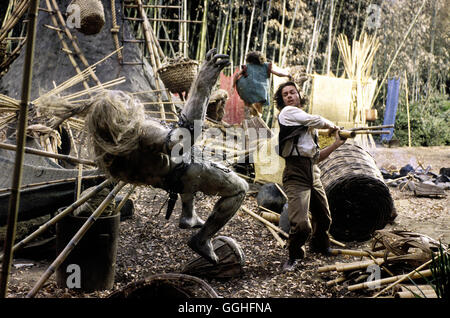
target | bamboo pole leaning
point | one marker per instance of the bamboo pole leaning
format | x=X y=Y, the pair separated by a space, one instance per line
x=13 y=209
x=44 y=227
x=74 y=241
x=37 y=152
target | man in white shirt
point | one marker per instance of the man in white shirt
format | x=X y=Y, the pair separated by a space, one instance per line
x=298 y=144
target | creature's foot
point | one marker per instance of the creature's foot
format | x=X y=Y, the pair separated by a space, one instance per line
x=190 y=222
x=204 y=249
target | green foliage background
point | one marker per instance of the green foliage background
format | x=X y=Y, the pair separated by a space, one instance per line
x=429 y=120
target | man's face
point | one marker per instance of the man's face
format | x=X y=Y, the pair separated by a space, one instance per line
x=290 y=96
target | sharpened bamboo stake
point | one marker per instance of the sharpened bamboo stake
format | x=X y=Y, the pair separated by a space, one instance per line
x=48 y=154
x=74 y=241
x=44 y=227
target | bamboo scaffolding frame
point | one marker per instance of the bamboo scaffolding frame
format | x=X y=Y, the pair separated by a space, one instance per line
x=74 y=241
x=13 y=209
x=65 y=47
x=77 y=49
x=44 y=227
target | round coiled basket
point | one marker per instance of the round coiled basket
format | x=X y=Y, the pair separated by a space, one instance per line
x=178 y=77
x=92 y=16
x=360 y=202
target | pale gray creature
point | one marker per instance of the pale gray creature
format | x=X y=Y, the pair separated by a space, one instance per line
x=142 y=151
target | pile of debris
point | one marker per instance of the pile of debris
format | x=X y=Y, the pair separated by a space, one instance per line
x=400 y=263
x=419 y=180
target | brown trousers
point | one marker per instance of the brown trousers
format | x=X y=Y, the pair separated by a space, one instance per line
x=301 y=182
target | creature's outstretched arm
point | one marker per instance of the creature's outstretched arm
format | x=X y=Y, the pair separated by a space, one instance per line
x=197 y=103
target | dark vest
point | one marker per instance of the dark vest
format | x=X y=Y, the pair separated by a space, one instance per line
x=288 y=139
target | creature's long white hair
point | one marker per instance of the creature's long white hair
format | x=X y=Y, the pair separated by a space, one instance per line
x=114 y=124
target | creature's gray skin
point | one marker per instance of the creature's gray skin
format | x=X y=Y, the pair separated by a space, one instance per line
x=153 y=164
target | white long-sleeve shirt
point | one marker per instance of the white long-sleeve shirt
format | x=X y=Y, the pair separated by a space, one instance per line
x=294 y=116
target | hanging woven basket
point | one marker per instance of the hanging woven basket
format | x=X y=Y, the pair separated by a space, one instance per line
x=92 y=16
x=178 y=77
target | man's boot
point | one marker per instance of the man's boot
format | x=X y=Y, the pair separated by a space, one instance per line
x=296 y=250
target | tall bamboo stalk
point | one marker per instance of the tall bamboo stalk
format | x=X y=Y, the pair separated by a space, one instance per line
x=202 y=49
x=283 y=60
x=13 y=209
x=74 y=241
x=330 y=29
x=250 y=29
x=264 y=41
x=282 y=32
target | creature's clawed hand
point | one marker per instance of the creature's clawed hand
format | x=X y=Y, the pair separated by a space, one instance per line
x=212 y=66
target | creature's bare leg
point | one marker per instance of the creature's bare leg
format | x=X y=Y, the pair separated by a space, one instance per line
x=223 y=211
x=215 y=181
x=188 y=218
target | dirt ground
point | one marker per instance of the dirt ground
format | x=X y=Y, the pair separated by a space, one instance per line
x=151 y=245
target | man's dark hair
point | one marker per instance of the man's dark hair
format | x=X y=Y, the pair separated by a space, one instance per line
x=255 y=57
x=279 y=97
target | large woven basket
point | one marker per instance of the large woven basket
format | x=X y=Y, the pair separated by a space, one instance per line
x=359 y=200
x=92 y=16
x=178 y=77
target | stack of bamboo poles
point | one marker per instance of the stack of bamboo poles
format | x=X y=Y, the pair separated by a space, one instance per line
x=358 y=61
x=393 y=253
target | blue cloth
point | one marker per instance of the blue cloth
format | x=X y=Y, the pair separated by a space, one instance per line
x=254 y=87
x=391 y=106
